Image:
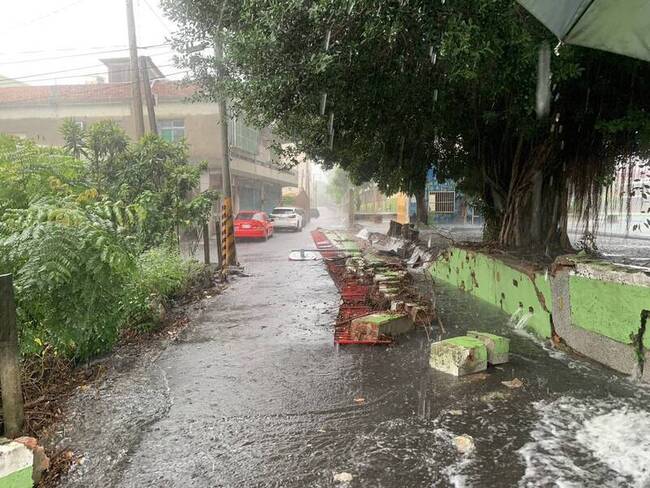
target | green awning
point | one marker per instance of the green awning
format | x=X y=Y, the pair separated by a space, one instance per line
x=619 y=26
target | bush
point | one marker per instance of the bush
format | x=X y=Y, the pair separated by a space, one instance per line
x=70 y=265
x=161 y=274
x=73 y=225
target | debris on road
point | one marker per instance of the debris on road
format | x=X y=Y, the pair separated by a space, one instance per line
x=303 y=255
x=369 y=283
x=514 y=383
x=464 y=444
x=458 y=356
x=343 y=477
x=495 y=396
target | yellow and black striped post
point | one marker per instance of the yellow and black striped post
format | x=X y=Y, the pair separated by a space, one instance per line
x=228 y=251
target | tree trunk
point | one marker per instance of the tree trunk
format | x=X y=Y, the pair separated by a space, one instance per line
x=535 y=216
x=422 y=212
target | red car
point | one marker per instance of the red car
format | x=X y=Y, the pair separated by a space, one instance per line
x=253 y=223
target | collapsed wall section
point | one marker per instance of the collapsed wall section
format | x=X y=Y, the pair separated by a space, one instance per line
x=524 y=293
x=597 y=308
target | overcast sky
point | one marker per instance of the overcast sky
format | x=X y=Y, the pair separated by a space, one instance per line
x=77 y=33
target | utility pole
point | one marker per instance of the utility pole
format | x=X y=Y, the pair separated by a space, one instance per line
x=12 y=393
x=148 y=97
x=228 y=250
x=136 y=93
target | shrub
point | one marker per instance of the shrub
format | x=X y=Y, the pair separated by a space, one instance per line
x=70 y=264
x=161 y=274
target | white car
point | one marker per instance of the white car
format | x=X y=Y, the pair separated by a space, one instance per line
x=287 y=218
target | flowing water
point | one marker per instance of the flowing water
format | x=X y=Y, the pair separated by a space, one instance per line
x=260 y=397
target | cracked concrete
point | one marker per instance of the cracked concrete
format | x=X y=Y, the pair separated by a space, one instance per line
x=616 y=355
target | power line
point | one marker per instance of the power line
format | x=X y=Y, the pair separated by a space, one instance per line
x=63 y=49
x=52 y=13
x=164 y=77
x=158 y=17
x=88 y=53
x=70 y=70
x=9 y=82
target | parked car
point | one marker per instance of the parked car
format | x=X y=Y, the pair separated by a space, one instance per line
x=288 y=218
x=254 y=224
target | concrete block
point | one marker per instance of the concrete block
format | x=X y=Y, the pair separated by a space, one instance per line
x=16 y=462
x=459 y=356
x=371 y=327
x=497 y=346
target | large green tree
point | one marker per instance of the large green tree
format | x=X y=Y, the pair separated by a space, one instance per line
x=388 y=89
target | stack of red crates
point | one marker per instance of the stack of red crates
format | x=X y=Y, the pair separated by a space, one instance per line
x=354 y=294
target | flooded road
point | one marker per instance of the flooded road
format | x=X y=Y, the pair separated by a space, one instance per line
x=260 y=397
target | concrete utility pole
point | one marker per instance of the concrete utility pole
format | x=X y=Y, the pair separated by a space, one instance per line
x=136 y=93
x=228 y=250
x=12 y=393
x=148 y=97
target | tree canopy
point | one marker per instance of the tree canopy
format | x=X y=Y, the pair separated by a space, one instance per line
x=388 y=90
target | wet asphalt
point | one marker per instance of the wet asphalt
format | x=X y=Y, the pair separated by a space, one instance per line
x=255 y=394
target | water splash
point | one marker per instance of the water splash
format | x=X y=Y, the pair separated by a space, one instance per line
x=330 y=124
x=588 y=442
x=519 y=319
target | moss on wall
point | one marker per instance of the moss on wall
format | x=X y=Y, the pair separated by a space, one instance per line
x=608 y=308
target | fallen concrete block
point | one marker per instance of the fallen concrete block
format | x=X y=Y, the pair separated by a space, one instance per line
x=41 y=462
x=16 y=461
x=371 y=327
x=459 y=356
x=497 y=346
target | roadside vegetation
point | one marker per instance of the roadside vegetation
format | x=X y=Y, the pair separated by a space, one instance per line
x=91 y=235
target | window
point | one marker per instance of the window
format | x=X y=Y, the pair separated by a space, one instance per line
x=171 y=130
x=243 y=137
x=442 y=201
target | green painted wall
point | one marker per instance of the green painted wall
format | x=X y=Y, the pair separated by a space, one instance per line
x=19 y=479
x=496 y=282
x=607 y=308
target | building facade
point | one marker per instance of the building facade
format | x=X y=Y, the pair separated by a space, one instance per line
x=37 y=112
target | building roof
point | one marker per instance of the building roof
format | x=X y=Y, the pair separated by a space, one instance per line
x=4 y=81
x=27 y=95
x=119 y=69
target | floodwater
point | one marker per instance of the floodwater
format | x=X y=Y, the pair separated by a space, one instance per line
x=257 y=395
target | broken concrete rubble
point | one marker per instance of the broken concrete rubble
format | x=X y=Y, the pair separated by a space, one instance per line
x=458 y=356
x=373 y=326
x=497 y=346
x=16 y=464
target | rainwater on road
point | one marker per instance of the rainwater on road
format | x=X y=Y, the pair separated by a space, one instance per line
x=259 y=396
